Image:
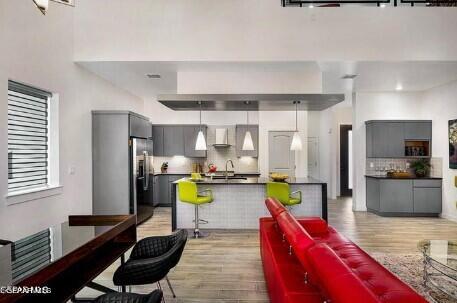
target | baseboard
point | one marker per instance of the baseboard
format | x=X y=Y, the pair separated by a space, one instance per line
x=449 y=217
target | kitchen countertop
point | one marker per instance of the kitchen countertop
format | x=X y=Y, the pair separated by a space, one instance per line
x=257 y=181
x=188 y=173
x=408 y=178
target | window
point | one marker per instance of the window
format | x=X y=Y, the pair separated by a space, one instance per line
x=28 y=137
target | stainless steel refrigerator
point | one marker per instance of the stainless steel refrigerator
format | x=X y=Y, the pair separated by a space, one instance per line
x=142 y=179
x=121 y=164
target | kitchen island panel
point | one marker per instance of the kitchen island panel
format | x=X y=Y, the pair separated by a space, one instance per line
x=239 y=206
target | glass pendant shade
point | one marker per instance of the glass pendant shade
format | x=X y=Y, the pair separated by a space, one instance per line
x=247 y=143
x=42 y=5
x=296 y=142
x=201 y=142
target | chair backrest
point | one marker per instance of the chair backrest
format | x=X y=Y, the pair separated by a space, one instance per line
x=178 y=243
x=187 y=191
x=278 y=190
x=274 y=207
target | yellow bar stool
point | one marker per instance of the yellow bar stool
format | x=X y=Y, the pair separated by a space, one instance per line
x=281 y=191
x=188 y=193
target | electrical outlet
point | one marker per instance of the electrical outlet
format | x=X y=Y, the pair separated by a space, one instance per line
x=71 y=170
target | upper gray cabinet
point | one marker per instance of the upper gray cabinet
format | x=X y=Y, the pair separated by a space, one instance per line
x=394 y=139
x=157 y=140
x=177 y=140
x=190 y=138
x=140 y=127
x=173 y=140
x=418 y=130
x=240 y=134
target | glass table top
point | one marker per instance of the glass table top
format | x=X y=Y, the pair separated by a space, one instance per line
x=441 y=251
x=25 y=256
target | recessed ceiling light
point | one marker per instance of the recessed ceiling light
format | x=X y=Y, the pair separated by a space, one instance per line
x=153 y=76
x=349 y=76
x=399 y=86
x=311 y=6
x=383 y=5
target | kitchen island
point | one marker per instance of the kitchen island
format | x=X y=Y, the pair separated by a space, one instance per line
x=239 y=203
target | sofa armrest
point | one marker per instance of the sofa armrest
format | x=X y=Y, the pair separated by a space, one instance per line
x=314 y=225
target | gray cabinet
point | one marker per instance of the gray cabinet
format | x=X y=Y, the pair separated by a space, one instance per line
x=387 y=139
x=173 y=141
x=139 y=126
x=239 y=137
x=155 y=190
x=418 y=131
x=427 y=200
x=177 y=140
x=162 y=191
x=157 y=139
x=396 y=196
x=190 y=138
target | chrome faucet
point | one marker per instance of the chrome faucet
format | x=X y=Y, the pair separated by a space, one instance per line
x=226 y=167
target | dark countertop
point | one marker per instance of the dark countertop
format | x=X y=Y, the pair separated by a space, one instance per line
x=188 y=173
x=258 y=181
x=409 y=178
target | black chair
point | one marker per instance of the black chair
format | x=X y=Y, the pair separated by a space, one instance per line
x=120 y=297
x=151 y=260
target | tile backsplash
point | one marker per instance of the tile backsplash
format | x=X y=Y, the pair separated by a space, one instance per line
x=379 y=166
x=217 y=156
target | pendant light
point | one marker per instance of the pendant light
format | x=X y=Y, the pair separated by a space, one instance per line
x=296 y=140
x=247 y=143
x=42 y=5
x=200 y=144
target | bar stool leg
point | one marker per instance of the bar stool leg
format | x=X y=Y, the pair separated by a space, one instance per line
x=197 y=232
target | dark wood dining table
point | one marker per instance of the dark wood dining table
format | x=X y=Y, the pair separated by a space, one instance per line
x=89 y=244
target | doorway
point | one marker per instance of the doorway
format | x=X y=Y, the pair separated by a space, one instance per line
x=346 y=160
x=280 y=158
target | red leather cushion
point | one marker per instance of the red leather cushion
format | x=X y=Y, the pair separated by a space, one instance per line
x=337 y=280
x=314 y=225
x=274 y=207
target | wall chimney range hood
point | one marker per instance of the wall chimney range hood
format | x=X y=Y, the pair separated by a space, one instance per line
x=221 y=138
x=250 y=102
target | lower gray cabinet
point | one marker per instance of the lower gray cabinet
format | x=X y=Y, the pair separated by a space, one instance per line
x=391 y=197
x=155 y=190
x=427 y=200
x=396 y=196
x=162 y=190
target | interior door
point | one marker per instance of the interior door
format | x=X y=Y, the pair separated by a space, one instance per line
x=313 y=157
x=281 y=159
x=345 y=160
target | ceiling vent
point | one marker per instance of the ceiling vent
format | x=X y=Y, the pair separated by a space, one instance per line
x=153 y=76
x=349 y=76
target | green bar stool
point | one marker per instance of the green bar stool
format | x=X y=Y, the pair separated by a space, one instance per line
x=281 y=191
x=188 y=193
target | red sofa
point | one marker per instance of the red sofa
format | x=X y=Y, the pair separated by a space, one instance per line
x=306 y=260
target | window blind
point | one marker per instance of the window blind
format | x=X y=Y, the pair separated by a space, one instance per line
x=28 y=122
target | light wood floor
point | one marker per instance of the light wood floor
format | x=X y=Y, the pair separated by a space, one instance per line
x=226 y=266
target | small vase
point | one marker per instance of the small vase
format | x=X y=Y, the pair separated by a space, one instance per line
x=420 y=173
x=163 y=170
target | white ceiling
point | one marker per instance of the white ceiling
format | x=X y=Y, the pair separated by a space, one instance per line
x=372 y=76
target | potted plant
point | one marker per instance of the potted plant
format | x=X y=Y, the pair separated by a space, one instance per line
x=164 y=167
x=421 y=167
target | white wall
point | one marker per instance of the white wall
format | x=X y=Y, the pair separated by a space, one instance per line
x=378 y=106
x=259 y=30
x=39 y=52
x=439 y=104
